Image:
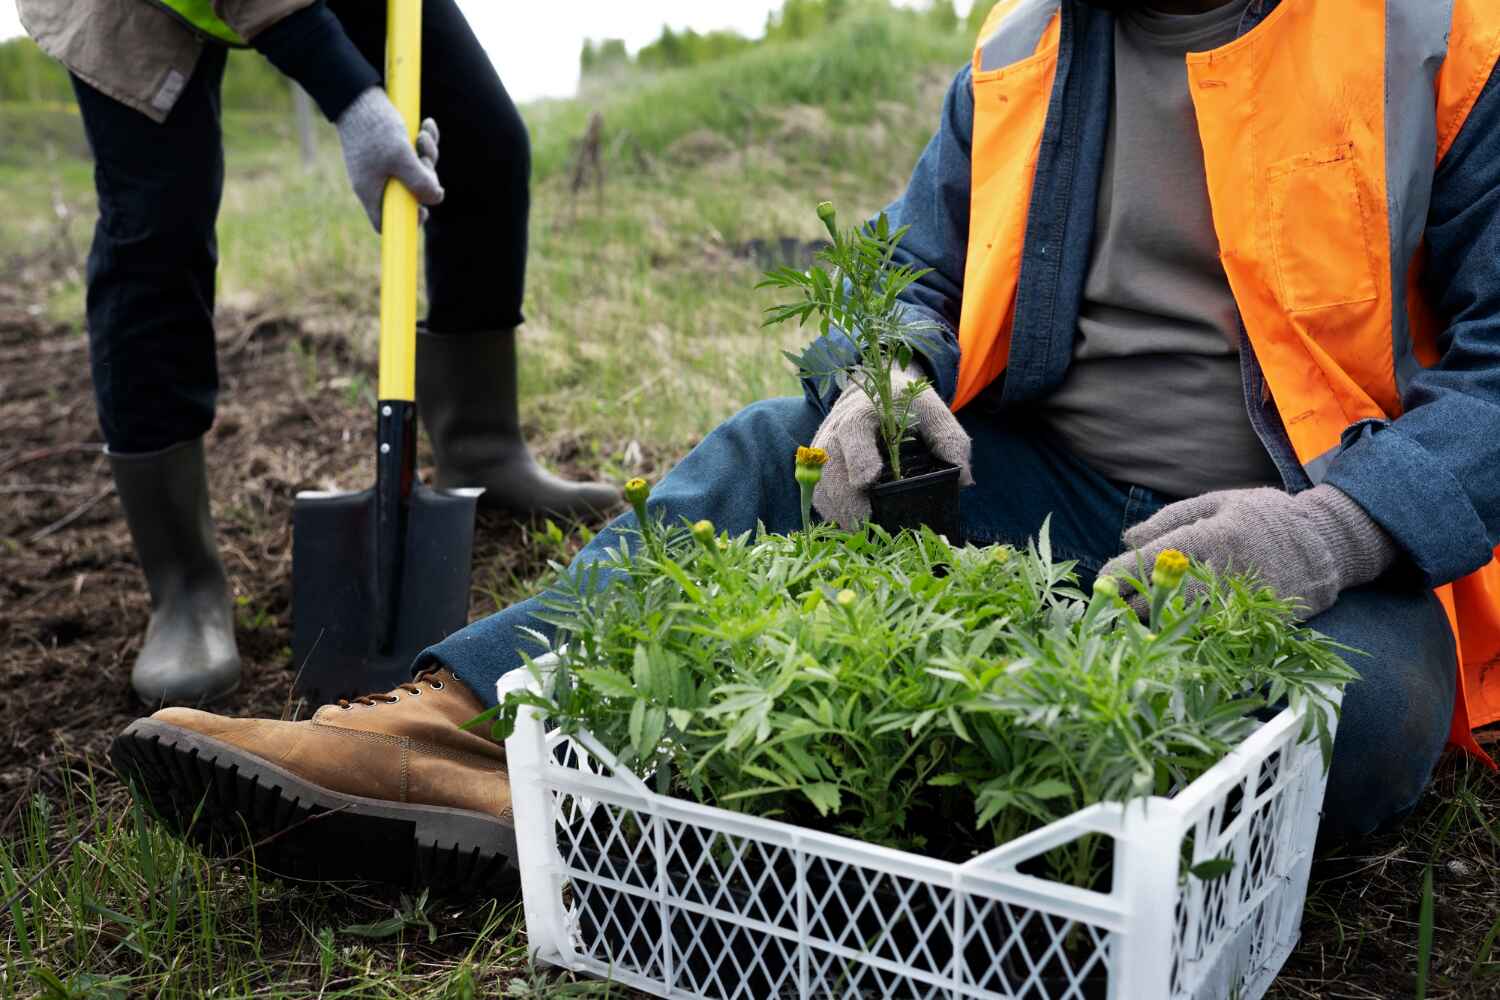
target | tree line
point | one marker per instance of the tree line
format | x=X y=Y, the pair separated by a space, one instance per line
x=796 y=19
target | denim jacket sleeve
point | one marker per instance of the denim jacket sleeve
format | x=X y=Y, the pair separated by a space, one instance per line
x=936 y=207
x=1431 y=477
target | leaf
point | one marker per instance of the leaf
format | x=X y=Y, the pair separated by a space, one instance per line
x=1049 y=788
x=1212 y=869
x=824 y=796
x=637 y=728
x=678 y=574
x=1424 y=935
x=946 y=781
x=379 y=929
x=745 y=726
x=609 y=682
x=654 y=725
x=681 y=718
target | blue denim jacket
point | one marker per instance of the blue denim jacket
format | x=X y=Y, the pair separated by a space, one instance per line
x=1431 y=478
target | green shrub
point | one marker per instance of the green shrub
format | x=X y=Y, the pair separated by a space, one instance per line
x=909 y=692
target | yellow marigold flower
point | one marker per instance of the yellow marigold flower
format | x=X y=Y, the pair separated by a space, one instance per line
x=811 y=456
x=1169 y=569
x=637 y=490
x=810 y=466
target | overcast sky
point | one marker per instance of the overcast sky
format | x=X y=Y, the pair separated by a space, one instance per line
x=535 y=45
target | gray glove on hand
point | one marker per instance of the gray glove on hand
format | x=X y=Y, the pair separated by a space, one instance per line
x=376 y=149
x=850 y=434
x=1308 y=547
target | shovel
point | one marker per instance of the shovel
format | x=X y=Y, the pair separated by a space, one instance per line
x=379 y=575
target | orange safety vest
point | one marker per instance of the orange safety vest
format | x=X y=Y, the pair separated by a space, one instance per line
x=1319 y=128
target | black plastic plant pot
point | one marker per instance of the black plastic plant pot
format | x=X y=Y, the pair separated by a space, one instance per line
x=927 y=494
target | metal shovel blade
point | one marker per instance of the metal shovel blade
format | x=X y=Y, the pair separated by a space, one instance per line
x=337 y=644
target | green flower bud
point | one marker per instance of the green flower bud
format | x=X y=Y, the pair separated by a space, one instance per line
x=846 y=598
x=636 y=491
x=704 y=532
x=1107 y=586
x=826 y=213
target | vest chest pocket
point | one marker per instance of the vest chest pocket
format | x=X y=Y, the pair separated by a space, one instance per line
x=1320 y=230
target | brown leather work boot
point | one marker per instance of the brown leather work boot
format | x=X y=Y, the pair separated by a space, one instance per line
x=384 y=788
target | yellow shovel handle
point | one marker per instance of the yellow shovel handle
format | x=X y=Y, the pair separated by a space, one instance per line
x=398 y=241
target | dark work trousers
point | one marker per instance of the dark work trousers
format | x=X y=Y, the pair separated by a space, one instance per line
x=151 y=265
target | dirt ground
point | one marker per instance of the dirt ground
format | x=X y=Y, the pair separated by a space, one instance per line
x=292 y=416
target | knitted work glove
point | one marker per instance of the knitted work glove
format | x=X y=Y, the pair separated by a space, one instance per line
x=851 y=434
x=1308 y=547
x=376 y=149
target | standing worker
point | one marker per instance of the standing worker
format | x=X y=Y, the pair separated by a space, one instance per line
x=147 y=75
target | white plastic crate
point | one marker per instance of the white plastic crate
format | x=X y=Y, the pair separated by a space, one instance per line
x=684 y=900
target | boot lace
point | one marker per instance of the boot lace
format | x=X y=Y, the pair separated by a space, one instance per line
x=391 y=697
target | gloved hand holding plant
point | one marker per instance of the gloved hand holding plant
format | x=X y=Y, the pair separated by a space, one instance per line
x=858 y=296
x=1308 y=548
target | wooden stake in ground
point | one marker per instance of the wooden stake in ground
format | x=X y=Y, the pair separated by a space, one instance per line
x=589 y=161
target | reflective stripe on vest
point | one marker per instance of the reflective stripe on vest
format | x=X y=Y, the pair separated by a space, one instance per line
x=1319 y=207
x=199 y=15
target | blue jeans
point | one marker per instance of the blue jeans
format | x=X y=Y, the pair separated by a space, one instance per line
x=1395 y=719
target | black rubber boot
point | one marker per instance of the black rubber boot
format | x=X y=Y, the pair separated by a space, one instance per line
x=466 y=395
x=189 y=656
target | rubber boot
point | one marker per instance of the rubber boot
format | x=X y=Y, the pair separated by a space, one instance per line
x=466 y=395
x=189 y=656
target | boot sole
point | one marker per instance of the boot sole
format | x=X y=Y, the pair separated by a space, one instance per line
x=223 y=797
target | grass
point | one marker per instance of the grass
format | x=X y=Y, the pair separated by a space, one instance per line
x=102 y=904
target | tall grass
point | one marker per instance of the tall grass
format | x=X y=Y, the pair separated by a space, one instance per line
x=847 y=70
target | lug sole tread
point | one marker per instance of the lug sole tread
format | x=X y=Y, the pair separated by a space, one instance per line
x=230 y=807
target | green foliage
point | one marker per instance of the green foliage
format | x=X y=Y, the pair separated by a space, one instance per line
x=796 y=20
x=858 y=295
x=908 y=692
x=943 y=15
x=801 y=18
x=28 y=74
x=870 y=56
x=608 y=55
x=674 y=50
x=977 y=13
x=253 y=84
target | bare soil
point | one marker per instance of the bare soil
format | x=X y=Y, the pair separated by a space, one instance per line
x=293 y=414
x=73 y=606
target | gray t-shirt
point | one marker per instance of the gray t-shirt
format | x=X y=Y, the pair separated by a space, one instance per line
x=1154 y=394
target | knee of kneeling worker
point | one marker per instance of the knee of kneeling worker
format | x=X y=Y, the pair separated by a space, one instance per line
x=1395 y=719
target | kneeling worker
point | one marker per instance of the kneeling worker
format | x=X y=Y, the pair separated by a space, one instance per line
x=1216 y=275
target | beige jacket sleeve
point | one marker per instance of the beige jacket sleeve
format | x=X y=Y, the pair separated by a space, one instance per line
x=133 y=50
